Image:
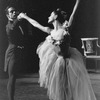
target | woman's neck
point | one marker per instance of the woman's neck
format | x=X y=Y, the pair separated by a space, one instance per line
x=57 y=25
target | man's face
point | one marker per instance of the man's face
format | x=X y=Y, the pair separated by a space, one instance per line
x=11 y=13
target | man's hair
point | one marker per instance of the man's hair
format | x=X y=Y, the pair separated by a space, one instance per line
x=6 y=10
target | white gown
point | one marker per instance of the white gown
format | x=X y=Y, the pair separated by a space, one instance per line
x=64 y=78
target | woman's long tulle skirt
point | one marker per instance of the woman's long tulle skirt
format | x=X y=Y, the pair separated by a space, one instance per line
x=65 y=79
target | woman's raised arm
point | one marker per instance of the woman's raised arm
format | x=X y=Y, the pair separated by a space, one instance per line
x=73 y=13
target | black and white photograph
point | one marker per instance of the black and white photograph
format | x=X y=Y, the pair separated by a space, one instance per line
x=49 y=50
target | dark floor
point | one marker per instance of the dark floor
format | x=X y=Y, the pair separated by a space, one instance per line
x=27 y=88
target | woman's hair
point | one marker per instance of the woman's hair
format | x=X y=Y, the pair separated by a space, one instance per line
x=61 y=15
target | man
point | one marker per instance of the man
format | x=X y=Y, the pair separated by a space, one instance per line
x=14 y=52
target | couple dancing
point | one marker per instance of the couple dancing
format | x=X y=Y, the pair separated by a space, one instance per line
x=62 y=69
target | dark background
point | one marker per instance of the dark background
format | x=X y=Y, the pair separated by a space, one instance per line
x=86 y=23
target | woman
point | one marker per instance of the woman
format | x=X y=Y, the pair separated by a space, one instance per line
x=62 y=69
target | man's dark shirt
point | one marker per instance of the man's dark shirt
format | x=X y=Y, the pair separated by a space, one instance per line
x=14 y=33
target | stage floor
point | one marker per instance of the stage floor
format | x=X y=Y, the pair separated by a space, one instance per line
x=27 y=88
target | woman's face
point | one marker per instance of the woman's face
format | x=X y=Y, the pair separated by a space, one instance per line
x=52 y=17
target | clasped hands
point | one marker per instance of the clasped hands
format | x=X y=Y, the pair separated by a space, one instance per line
x=21 y=15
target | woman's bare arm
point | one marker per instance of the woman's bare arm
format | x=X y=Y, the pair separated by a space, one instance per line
x=73 y=13
x=34 y=23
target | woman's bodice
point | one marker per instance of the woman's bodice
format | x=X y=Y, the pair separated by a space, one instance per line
x=62 y=39
x=59 y=34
